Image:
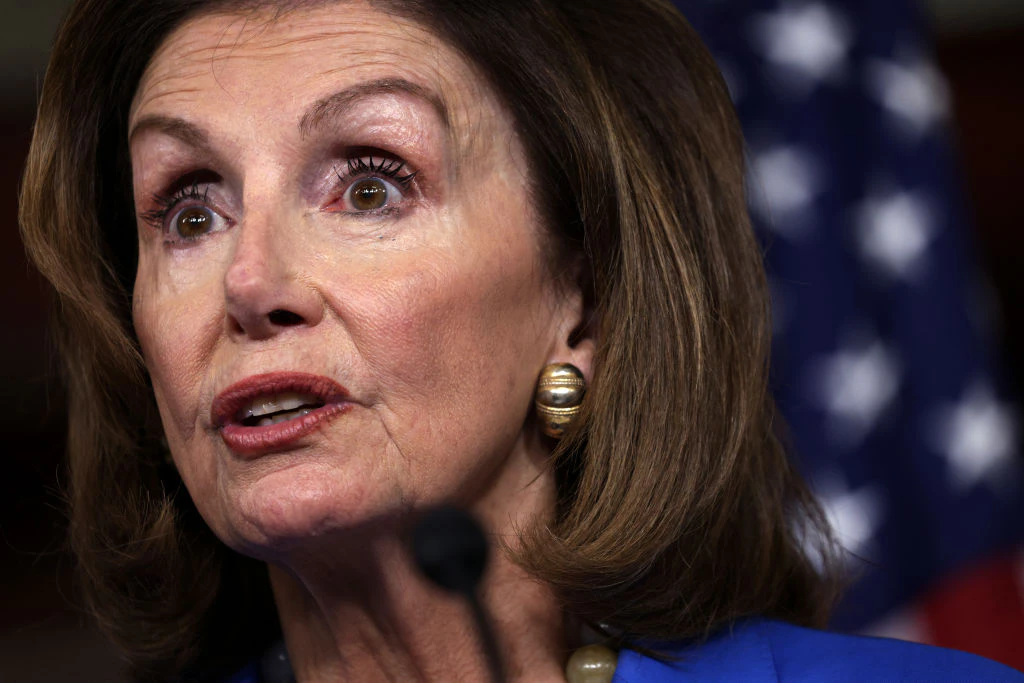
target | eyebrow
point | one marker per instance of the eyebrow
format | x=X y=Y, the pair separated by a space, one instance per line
x=336 y=104
x=189 y=133
x=321 y=110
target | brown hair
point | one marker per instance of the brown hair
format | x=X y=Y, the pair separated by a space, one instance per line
x=678 y=511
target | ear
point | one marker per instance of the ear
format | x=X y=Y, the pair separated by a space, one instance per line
x=576 y=328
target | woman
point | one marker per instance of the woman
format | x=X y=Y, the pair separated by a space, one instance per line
x=311 y=260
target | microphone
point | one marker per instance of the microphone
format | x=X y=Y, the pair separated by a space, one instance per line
x=450 y=548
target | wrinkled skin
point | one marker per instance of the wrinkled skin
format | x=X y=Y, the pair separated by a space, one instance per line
x=435 y=311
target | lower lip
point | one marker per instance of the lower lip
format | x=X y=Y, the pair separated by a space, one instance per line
x=245 y=440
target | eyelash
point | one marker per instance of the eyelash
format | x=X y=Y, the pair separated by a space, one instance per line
x=197 y=190
x=388 y=167
x=167 y=203
x=364 y=166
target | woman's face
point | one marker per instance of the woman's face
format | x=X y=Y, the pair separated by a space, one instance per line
x=341 y=296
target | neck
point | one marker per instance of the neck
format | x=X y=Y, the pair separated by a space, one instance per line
x=368 y=615
x=399 y=630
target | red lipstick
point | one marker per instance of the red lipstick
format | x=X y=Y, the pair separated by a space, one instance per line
x=251 y=423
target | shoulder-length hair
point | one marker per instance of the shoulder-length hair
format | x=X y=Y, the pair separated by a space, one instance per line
x=678 y=511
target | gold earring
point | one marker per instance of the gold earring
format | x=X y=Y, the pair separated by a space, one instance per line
x=559 y=397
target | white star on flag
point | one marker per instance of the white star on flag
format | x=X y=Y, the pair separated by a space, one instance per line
x=894 y=230
x=978 y=436
x=912 y=91
x=854 y=515
x=807 y=42
x=784 y=182
x=855 y=385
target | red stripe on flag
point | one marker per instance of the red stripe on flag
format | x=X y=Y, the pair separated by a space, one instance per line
x=980 y=610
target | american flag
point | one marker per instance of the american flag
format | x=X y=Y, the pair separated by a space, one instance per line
x=882 y=362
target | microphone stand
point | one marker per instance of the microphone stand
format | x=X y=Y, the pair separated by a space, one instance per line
x=450 y=549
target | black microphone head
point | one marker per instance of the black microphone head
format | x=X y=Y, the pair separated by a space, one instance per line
x=450 y=549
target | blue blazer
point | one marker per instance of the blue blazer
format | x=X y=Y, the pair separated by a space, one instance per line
x=774 y=651
x=761 y=650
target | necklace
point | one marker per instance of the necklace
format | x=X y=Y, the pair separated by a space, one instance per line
x=589 y=664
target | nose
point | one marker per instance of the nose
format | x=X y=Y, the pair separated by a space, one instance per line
x=265 y=289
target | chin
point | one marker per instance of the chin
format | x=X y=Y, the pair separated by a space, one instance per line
x=301 y=508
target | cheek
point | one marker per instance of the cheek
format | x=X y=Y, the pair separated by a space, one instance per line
x=454 y=339
x=177 y=328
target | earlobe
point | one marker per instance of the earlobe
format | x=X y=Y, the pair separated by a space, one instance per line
x=577 y=334
x=562 y=383
x=581 y=356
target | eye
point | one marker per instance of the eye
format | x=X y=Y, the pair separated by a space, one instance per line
x=372 y=194
x=183 y=212
x=193 y=222
x=373 y=185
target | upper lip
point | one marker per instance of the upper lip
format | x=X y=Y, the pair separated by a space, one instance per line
x=228 y=403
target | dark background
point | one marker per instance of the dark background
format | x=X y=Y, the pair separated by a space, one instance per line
x=44 y=636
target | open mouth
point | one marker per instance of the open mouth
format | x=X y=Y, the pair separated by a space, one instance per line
x=273 y=412
x=278 y=408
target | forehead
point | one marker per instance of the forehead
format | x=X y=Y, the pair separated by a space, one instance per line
x=278 y=63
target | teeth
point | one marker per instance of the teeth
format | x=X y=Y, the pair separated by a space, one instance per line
x=277 y=403
x=283 y=417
